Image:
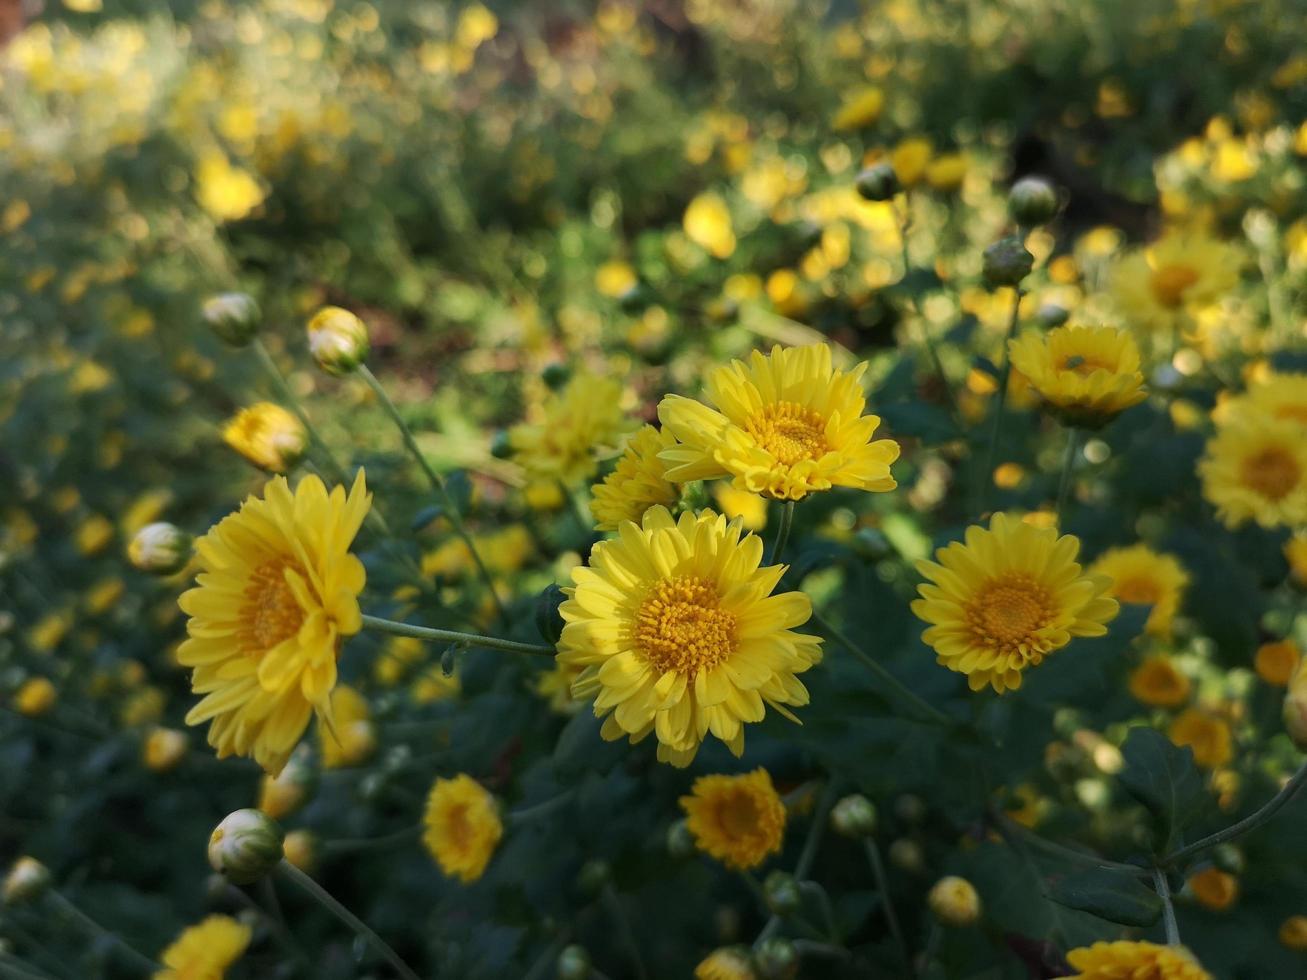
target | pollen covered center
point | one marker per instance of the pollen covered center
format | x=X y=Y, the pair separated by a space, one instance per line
x=1271 y=472
x=681 y=626
x=737 y=814
x=1170 y=282
x=1138 y=591
x=1009 y=611
x=269 y=613
x=789 y=432
x=1085 y=366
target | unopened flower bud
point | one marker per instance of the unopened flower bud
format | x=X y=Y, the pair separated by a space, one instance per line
x=1007 y=262
x=160 y=549
x=906 y=855
x=910 y=808
x=290 y=789
x=301 y=849
x=1032 y=201
x=246 y=846
x=854 y=816
x=573 y=963
x=234 y=317
x=777 y=959
x=954 y=902
x=594 y=877
x=549 y=621
x=164 y=749
x=26 y=881
x=680 y=842
x=556 y=375
x=501 y=446
x=877 y=182
x=1051 y=315
x=781 y=892
x=338 y=340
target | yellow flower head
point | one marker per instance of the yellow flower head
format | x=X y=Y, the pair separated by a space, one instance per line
x=462 y=827
x=36 y=697
x=707 y=223
x=1214 y=889
x=678 y=634
x=572 y=425
x=227 y=192
x=94 y=534
x=909 y=159
x=729 y=963
x=1208 y=736
x=738 y=820
x=1007 y=597
x=278 y=592
x=1141 y=576
x=946 y=173
x=205 y=951
x=351 y=737
x=268 y=436
x=1179 y=273
x=861 y=108
x=785 y=425
x=1255 y=468
x=1157 y=683
x=1293 y=932
x=1280 y=396
x=1136 y=961
x=164 y=748
x=1085 y=375
x=636 y=484
x=1275 y=663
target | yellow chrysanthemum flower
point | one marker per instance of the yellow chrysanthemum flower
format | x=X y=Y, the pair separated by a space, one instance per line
x=1276 y=663
x=1007 y=597
x=1255 y=468
x=1280 y=396
x=278 y=592
x=1207 y=734
x=1179 y=273
x=786 y=424
x=739 y=820
x=1085 y=375
x=1142 y=576
x=572 y=425
x=1214 y=889
x=1135 y=961
x=730 y=963
x=861 y=108
x=636 y=484
x=205 y=951
x=1157 y=683
x=707 y=223
x=462 y=827
x=678 y=634
x=267 y=435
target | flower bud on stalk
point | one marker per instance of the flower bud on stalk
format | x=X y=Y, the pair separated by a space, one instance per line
x=877 y=183
x=854 y=816
x=338 y=340
x=234 y=317
x=164 y=749
x=1007 y=262
x=246 y=846
x=27 y=880
x=1032 y=201
x=573 y=963
x=954 y=902
x=781 y=892
x=160 y=549
x=777 y=959
x=680 y=842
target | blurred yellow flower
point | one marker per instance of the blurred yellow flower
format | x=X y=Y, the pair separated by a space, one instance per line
x=1277 y=396
x=750 y=508
x=49 y=631
x=739 y=820
x=1207 y=734
x=1156 y=682
x=1085 y=375
x=1275 y=663
x=1182 y=271
x=572 y=426
x=227 y=192
x=1293 y=932
x=205 y=951
x=267 y=435
x=35 y=697
x=1255 y=468
x=909 y=160
x=945 y=173
x=462 y=827
x=707 y=223
x=350 y=738
x=164 y=749
x=1135 y=960
x=300 y=849
x=729 y=963
x=93 y=535
x=636 y=484
x=861 y=108
x=1295 y=553
x=615 y=279
x=1214 y=889
x=1142 y=576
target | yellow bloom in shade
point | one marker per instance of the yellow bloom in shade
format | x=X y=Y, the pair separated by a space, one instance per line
x=1157 y=683
x=267 y=435
x=1276 y=662
x=1214 y=889
x=677 y=633
x=861 y=108
x=1005 y=598
x=1179 y=273
x=93 y=535
x=1293 y=932
x=1280 y=396
x=1295 y=553
x=164 y=749
x=1142 y=576
x=750 y=508
x=1085 y=375
x=461 y=827
x=730 y=963
x=909 y=159
x=36 y=697
x=205 y=951
x=785 y=425
x=227 y=192
x=351 y=737
x=1124 y=960
x=1208 y=736
x=707 y=223
x=561 y=443
x=946 y=173
x=278 y=592
x=739 y=820
x=636 y=484
x=615 y=278
x=1256 y=469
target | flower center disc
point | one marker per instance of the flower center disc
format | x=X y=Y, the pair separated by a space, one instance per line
x=738 y=814
x=270 y=613
x=789 y=432
x=1272 y=473
x=1009 y=611
x=1170 y=283
x=681 y=626
x=1085 y=366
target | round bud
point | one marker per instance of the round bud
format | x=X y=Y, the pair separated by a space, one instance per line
x=910 y=808
x=501 y=447
x=954 y=902
x=301 y=849
x=160 y=549
x=246 y=846
x=906 y=855
x=1229 y=859
x=573 y=963
x=680 y=842
x=634 y=299
x=549 y=621
x=594 y=876
x=1007 y=262
x=234 y=317
x=1051 y=315
x=877 y=182
x=556 y=375
x=338 y=340
x=781 y=892
x=26 y=881
x=777 y=959
x=164 y=749
x=1032 y=201
x=854 y=816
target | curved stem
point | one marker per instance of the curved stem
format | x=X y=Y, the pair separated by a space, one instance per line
x=1168 y=907
x=139 y=959
x=1004 y=374
x=882 y=886
x=782 y=534
x=541 y=809
x=324 y=898
x=1068 y=464
x=453 y=636
x=1250 y=822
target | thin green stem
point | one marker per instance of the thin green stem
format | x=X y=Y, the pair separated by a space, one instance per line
x=453 y=636
x=809 y=947
x=623 y=923
x=288 y=396
x=1168 y=907
x=905 y=222
x=437 y=483
x=926 y=711
x=1000 y=396
x=1068 y=465
x=882 y=886
x=139 y=959
x=529 y=813
x=355 y=845
x=1248 y=823
x=820 y=815
x=932 y=949
x=10 y=971
x=361 y=928
x=823 y=902
x=782 y=533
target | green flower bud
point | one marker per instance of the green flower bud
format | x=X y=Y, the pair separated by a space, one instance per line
x=878 y=182
x=594 y=877
x=1229 y=859
x=1051 y=315
x=954 y=902
x=1032 y=201
x=549 y=621
x=556 y=375
x=501 y=447
x=338 y=340
x=781 y=892
x=160 y=549
x=910 y=809
x=245 y=846
x=26 y=881
x=777 y=959
x=573 y=963
x=634 y=299
x=234 y=317
x=854 y=816
x=906 y=855
x=680 y=842
x=1007 y=262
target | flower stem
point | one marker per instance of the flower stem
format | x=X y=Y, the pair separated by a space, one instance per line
x=1250 y=822
x=1068 y=464
x=529 y=813
x=139 y=960
x=782 y=534
x=1004 y=375
x=882 y=886
x=820 y=815
x=355 y=845
x=361 y=928
x=1168 y=907
x=436 y=480
x=452 y=636
x=288 y=396
x=905 y=222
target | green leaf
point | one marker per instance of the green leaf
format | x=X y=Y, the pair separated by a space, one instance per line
x=1161 y=775
x=1112 y=895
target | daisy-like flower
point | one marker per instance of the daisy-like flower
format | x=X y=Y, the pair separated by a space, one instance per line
x=277 y=594
x=739 y=820
x=1135 y=961
x=1181 y=272
x=1007 y=597
x=677 y=633
x=1255 y=468
x=462 y=827
x=1281 y=396
x=560 y=442
x=636 y=484
x=728 y=963
x=1085 y=375
x=1207 y=734
x=1157 y=683
x=785 y=425
x=205 y=951
x=1142 y=576
x=267 y=435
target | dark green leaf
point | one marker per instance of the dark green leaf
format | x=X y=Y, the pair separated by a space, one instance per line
x=1112 y=895
x=1161 y=776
